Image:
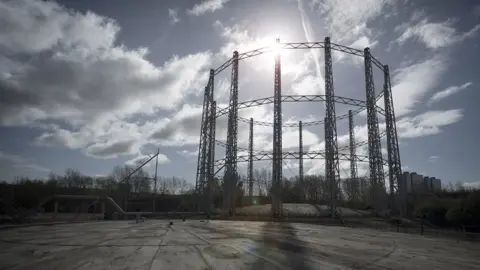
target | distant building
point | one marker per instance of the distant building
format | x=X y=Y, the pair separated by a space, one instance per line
x=417 y=183
x=436 y=184
x=427 y=183
x=406 y=182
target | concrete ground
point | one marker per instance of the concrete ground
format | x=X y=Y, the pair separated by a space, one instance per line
x=154 y=244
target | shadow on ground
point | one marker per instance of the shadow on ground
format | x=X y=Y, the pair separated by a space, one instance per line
x=281 y=236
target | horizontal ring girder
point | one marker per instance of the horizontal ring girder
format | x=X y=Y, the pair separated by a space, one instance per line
x=357 y=144
x=296 y=155
x=293 y=98
x=300 y=98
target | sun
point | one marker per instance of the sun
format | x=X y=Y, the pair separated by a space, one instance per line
x=273 y=44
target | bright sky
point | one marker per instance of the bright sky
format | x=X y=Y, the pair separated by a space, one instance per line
x=90 y=84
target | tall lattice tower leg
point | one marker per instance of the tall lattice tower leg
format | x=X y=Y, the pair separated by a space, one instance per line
x=394 y=165
x=211 y=158
x=374 y=146
x=250 y=162
x=333 y=169
x=328 y=161
x=353 y=161
x=230 y=178
x=277 y=139
x=201 y=174
x=300 y=153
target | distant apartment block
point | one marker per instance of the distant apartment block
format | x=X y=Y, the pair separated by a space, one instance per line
x=417 y=183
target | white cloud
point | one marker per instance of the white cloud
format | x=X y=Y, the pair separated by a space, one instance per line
x=111 y=149
x=346 y=20
x=433 y=159
x=33 y=167
x=428 y=123
x=206 y=6
x=36 y=26
x=308 y=85
x=188 y=154
x=363 y=42
x=412 y=83
x=104 y=139
x=61 y=137
x=64 y=65
x=173 y=15
x=17 y=161
x=82 y=77
x=290 y=138
x=11 y=158
x=141 y=158
x=182 y=129
x=448 y=92
x=310 y=37
x=360 y=43
x=434 y=35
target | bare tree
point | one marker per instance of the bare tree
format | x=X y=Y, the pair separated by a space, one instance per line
x=173 y=185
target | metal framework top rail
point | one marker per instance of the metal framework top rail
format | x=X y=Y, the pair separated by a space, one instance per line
x=303 y=45
x=298 y=45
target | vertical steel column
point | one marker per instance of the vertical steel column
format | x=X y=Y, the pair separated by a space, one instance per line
x=333 y=169
x=250 y=162
x=394 y=165
x=277 y=139
x=328 y=160
x=230 y=178
x=156 y=173
x=374 y=146
x=211 y=158
x=353 y=160
x=203 y=145
x=300 y=152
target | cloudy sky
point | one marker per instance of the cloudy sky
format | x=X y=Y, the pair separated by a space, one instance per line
x=91 y=84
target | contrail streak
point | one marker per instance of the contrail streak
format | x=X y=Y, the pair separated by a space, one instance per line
x=307 y=29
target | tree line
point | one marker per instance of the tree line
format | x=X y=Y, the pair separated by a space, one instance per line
x=140 y=182
x=454 y=206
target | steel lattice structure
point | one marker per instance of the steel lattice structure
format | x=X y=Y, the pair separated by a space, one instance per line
x=296 y=155
x=277 y=139
x=374 y=146
x=206 y=155
x=250 y=161
x=353 y=164
x=300 y=151
x=332 y=167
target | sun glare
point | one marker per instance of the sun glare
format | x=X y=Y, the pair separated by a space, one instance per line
x=273 y=44
x=275 y=48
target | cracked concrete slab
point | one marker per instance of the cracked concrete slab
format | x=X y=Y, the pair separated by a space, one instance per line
x=154 y=244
